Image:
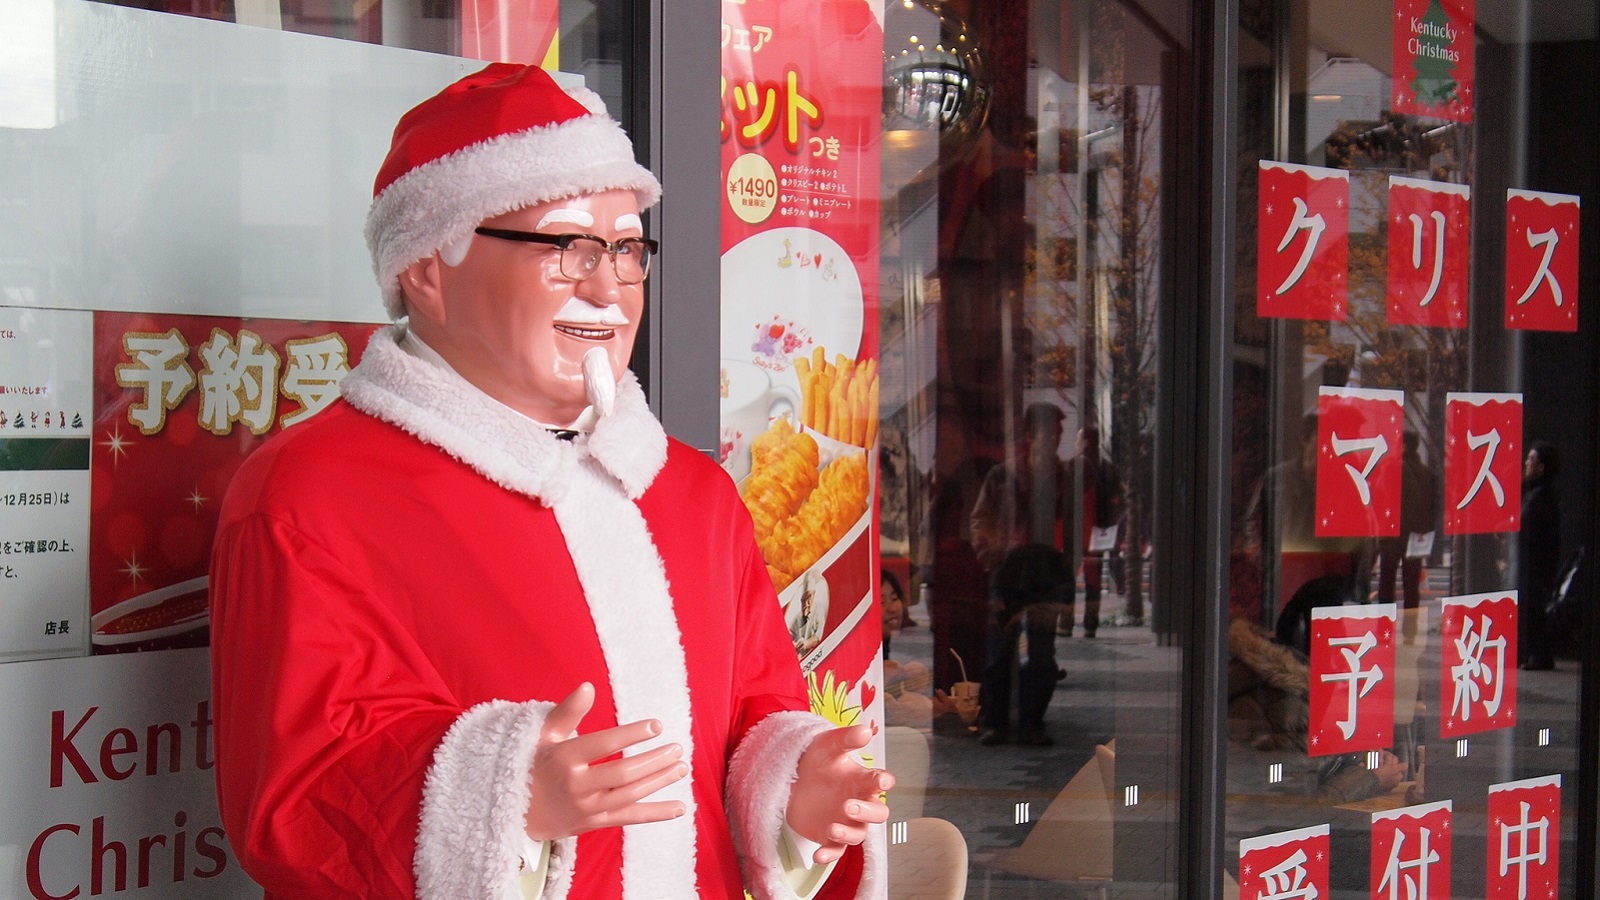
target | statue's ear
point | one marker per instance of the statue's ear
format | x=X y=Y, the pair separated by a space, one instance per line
x=422 y=291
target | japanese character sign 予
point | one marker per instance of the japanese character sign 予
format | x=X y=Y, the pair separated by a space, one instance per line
x=1477 y=664
x=1352 y=678
x=1541 y=261
x=1358 y=462
x=1524 y=837
x=1304 y=242
x=1289 y=865
x=1411 y=852
x=1482 y=462
x=1428 y=253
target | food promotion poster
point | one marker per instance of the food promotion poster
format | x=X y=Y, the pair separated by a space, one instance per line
x=801 y=119
x=1433 y=59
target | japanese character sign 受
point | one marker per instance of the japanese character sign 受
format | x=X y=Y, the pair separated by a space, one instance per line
x=1411 y=852
x=1352 y=678
x=1304 y=242
x=1477 y=664
x=1358 y=461
x=1433 y=59
x=1482 y=462
x=1289 y=865
x=1541 y=261
x=1524 y=836
x=1428 y=253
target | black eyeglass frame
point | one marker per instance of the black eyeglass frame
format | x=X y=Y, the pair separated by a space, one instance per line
x=564 y=241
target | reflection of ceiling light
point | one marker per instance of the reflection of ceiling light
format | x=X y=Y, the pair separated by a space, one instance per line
x=913 y=39
x=944 y=88
x=1329 y=98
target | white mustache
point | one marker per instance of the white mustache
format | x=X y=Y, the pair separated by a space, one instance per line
x=584 y=314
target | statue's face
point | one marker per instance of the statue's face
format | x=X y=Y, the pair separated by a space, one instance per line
x=511 y=323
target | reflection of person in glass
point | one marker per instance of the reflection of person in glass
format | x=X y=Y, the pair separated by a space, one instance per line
x=1419 y=511
x=1028 y=589
x=1102 y=506
x=481 y=629
x=1538 y=554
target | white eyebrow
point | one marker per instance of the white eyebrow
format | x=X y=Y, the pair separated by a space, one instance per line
x=575 y=216
x=627 y=221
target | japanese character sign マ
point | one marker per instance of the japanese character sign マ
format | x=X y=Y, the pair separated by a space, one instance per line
x=1482 y=462
x=1304 y=242
x=1477 y=664
x=1358 y=462
x=1289 y=865
x=1411 y=852
x=1524 y=836
x=1352 y=678
x=1428 y=253
x=1541 y=261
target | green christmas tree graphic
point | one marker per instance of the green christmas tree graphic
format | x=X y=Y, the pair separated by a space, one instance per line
x=1433 y=85
x=77 y=420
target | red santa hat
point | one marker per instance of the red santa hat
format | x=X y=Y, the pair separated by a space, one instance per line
x=498 y=140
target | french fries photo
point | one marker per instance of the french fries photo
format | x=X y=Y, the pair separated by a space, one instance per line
x=839 y=398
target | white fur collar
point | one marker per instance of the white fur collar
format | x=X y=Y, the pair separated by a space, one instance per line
x=441 y=408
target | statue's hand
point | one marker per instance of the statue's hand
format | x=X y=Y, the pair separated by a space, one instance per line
x=834 y=797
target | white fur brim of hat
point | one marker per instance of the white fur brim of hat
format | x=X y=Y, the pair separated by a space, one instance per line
x=443 y=200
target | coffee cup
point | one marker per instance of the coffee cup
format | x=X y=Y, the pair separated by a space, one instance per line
x=750 y=403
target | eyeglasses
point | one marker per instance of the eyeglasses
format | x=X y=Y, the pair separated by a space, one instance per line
x=580 y=253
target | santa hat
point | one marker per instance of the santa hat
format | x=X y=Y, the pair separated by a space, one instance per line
x=495 y=141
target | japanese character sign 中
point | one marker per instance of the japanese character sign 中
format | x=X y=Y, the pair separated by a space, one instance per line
x=1482 y=462
x=1428 y=253
x=1358 y=461
x=1477 y=664
x=1541 y=261
x=1352 y=678
x=1411 y=852
x=1433 y=59
x=1524 y=837
x=1289 y=865
x=1304 y=242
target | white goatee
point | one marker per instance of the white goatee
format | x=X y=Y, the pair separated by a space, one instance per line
x=599 y=382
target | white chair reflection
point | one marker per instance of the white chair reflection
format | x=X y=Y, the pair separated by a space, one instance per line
x=907 y=751
x=1070 y=845
x=930 y=863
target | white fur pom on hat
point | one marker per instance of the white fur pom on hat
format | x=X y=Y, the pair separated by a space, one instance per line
x=503 y=138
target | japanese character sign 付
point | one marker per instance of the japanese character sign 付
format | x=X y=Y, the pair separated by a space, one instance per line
x=1289 y=865
x=1358 y=462
x=1482 y=462
x=1304 y=242
x=1524 y=836
x=1411 y=852
x=1477 y=664
x=1352 y=678
x=1541 y=261
x=1428 y=253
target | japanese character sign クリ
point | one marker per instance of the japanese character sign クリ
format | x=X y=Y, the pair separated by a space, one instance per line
x=1428 y=253
x=1289 y=865
x=1482 y=462
x=1303 y=242
x=1358 y=462
x=1524 y=836
x=1352 y=679
x=1477 y=663
x=1411 y=852
x=1541 y=261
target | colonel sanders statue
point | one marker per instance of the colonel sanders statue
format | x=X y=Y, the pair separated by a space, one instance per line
x=481 y=630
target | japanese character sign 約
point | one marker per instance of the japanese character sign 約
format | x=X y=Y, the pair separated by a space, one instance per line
x=1289 y=865
x=1428 y=253
x=1477 y=663
x=1482 y=462
x=1524 y=836
x=1304 y=242
x=1358 y=462
x=1411 y=852
x=1541 y=261
x=1352 y=678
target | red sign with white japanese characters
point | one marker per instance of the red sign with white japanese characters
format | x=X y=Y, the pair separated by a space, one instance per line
x=1358 y=461
x=1303 y=257
x=1352 y=678
x=1525 y=839
x=1411 y=853
x=180 y=401
x=1541 y=261
x=1482 y=462
x=1428 y=253
x=1477 y=664
x=1284 y=865
x=1433 y=59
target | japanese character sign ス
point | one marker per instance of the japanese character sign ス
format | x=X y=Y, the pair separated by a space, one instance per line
x=1482 y=462
x=1541 y=261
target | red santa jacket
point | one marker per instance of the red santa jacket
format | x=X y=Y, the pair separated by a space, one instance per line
x=403 y=587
